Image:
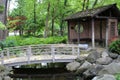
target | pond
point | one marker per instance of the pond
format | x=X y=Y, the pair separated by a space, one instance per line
x=43 y=74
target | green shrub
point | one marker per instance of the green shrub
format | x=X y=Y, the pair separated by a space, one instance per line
x=21 y=41
x=115 y=46
x=117 y=76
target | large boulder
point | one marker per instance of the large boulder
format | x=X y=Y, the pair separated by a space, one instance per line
x=112 y=68
x=113 y=55
x=7 y=78
x=93 y=56
x=93 y=70
x=104 y=54
x=73 y=66
x=86 y=65
x=80 y=59
x=104 y=60
x=104 y=77
x=2 y=68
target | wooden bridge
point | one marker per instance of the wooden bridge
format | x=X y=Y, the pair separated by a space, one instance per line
x=23 y=55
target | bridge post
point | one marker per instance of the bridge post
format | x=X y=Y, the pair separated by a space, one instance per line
x=8 y=53
x=78 y=51
x=2 y=58
x=53 y=53
x=73 y=50
x=28 y=54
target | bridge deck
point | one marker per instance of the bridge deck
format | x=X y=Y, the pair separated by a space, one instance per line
x=39 y=53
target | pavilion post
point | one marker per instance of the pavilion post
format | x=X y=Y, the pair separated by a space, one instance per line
x=107 y=32
x=78 y=32
x=93 y=34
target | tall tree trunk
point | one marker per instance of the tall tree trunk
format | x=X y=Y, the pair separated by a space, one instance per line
x=53 y=18
x=47 y=21
x=87 y=5
x=5 y=15
x=34 y=13
x=83 y=5
x=94 y=4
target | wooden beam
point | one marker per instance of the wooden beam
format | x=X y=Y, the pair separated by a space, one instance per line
x=78 y=32
x=93 y=34
x=68 y=31
x=100 y=29
x=107 y=34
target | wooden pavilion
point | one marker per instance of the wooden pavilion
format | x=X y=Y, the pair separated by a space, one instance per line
x=94 y=25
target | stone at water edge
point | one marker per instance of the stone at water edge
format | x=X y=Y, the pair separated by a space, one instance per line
x=80 y=59
x=104 y=54
x=93 y=56
x=112 y=68
x=73 y=66
x=7 y=78
x=113 y=55
x=2 y=68
x=86 y=65
x=104 y=77
x=93 y=70
x=104 y=60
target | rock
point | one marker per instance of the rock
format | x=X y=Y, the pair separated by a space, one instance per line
x=93 y=56
x=104 y=77
x=118 y=59
x=7 y=78
x=83 y=67
x=104 y=54
x=2 y=68
x=73 y=66
x=112 y=68
x=93 y=70
x=113 y=55
x=80 y=59
x=104 y=60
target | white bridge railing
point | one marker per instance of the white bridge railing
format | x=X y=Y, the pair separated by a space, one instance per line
x=35 y=50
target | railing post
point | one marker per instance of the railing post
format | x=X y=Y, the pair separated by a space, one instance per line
x=53 y=53
x=2 y=58
x=8 y=53
x=73 y=50
x=78 y=51
x=28 y=54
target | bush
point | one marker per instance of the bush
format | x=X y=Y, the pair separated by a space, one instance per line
x=21 y=41
x=115 y=46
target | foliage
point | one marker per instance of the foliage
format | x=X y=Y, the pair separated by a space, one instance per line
x=2 y=26
x=12 y=41
x=117 y=76
x=115 y=46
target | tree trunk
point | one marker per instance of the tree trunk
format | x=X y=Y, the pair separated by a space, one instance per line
x=34 y=13
x=83 y=5
x=87 y=5
x=94 y=4
x=47 y=21
x=5 y=15
x=53 y=18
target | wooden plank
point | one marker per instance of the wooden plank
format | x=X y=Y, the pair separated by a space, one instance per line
x=93 y=34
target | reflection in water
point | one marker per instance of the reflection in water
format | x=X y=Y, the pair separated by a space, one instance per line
x=63 y=76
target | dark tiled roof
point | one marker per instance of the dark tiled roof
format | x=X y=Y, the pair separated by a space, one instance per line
x=89 y=12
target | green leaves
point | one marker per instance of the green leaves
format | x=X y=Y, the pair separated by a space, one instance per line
x=115 y=46
x=2 y=26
